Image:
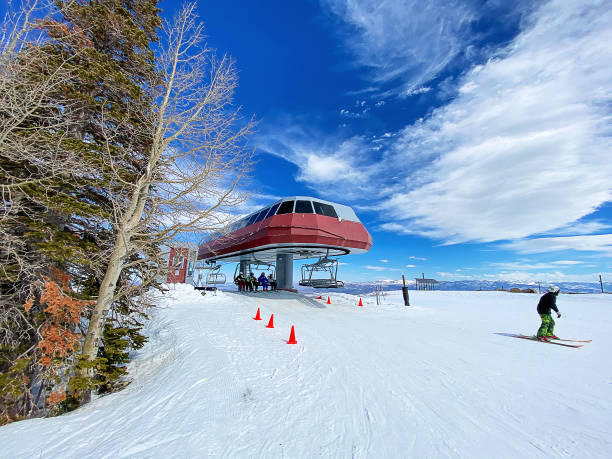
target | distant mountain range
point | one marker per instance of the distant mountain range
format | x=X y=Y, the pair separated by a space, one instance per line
x=566 y=287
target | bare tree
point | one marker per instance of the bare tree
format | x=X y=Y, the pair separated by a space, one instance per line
x=33 y=124
x=189 y=177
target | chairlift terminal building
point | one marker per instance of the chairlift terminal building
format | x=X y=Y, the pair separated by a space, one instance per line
x=293 y=228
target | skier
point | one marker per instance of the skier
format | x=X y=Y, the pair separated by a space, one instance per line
x=263 y=280
x=272 y=281
x=241 y=282
x=252 y=283
x=548 y=302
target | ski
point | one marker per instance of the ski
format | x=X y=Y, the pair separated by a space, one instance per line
x=533 y=338
x=575 y=340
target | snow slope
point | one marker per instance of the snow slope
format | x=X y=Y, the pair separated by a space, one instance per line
x=437 y=379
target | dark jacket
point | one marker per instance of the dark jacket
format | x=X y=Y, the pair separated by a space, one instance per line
x=548 y=302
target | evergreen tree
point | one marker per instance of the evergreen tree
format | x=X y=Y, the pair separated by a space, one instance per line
x=65 y=219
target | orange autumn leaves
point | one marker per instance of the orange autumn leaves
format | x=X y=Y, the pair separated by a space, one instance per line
x=58 y=341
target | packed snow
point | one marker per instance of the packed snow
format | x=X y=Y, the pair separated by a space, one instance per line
x=440 y=378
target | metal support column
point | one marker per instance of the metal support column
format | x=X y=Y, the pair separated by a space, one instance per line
x=284 y=271
x=243 y=267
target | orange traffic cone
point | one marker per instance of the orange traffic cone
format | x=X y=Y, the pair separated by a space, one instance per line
x=292 y=336
x=257 y=316
x=360 y=302
x=271 y=323
x=328 y=300
x=319 y=297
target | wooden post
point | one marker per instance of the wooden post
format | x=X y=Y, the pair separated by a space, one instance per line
x=405 y=292
x=539 y=291
x=601 y=283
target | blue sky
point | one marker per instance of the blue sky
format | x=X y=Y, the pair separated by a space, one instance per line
x=473 y=138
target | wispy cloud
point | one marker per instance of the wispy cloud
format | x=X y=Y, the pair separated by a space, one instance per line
x=380 y=268
x=409 y=41
x=530 y=126
x=601 y=243
x=376 y=268
x=544 y=276
x=417 y=91
x=347 y=164
x=523 y=149
x=576 y=228
x=517 y=266
x=567 y=262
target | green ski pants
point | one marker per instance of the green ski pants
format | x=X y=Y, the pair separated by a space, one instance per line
x=548 y=326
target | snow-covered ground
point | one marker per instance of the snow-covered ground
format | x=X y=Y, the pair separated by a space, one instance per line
x=437 y=379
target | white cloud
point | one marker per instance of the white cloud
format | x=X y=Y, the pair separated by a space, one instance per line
x=376 y=268
x=517 y=266
x=525 y=146
x=583 y=228
x=567 y=262
x=421 y=90
x=543 y=277
x=410 y=266
x=346 y=165
x=454 y=276
x=384 y=261
x=380 y=268
x=412 y=257
x=407 y=40
x=601 y=243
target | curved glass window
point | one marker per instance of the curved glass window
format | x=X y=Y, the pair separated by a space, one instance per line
x=261 y=215
x=285 y=208
x=272 y=210
x=252 y=219
x=325 y=209
x=303 y=207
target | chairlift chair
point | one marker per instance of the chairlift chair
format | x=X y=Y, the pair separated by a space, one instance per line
x=255 y=268
x=213 y=278
x=312 y=274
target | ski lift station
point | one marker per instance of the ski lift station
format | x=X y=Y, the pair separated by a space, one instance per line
x=293 y=228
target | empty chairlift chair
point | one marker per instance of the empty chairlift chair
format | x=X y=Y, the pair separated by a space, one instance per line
x=321 y=274
x=213 y=277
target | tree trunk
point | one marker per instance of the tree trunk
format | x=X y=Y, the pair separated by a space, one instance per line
x=106 y=293
x=103 y=304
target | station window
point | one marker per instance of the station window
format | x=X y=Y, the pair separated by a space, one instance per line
x=325 y=209
x=285 y=208
x=272 y=210
x=261 y=215
x=178 y=261
x=303 y=207
x=252 y=219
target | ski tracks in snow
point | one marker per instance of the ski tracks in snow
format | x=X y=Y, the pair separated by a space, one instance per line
x=378 y=381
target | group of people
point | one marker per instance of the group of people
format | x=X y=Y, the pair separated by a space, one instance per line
x=252 y=283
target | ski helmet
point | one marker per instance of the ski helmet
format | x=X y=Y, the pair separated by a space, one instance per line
x=553 y=289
